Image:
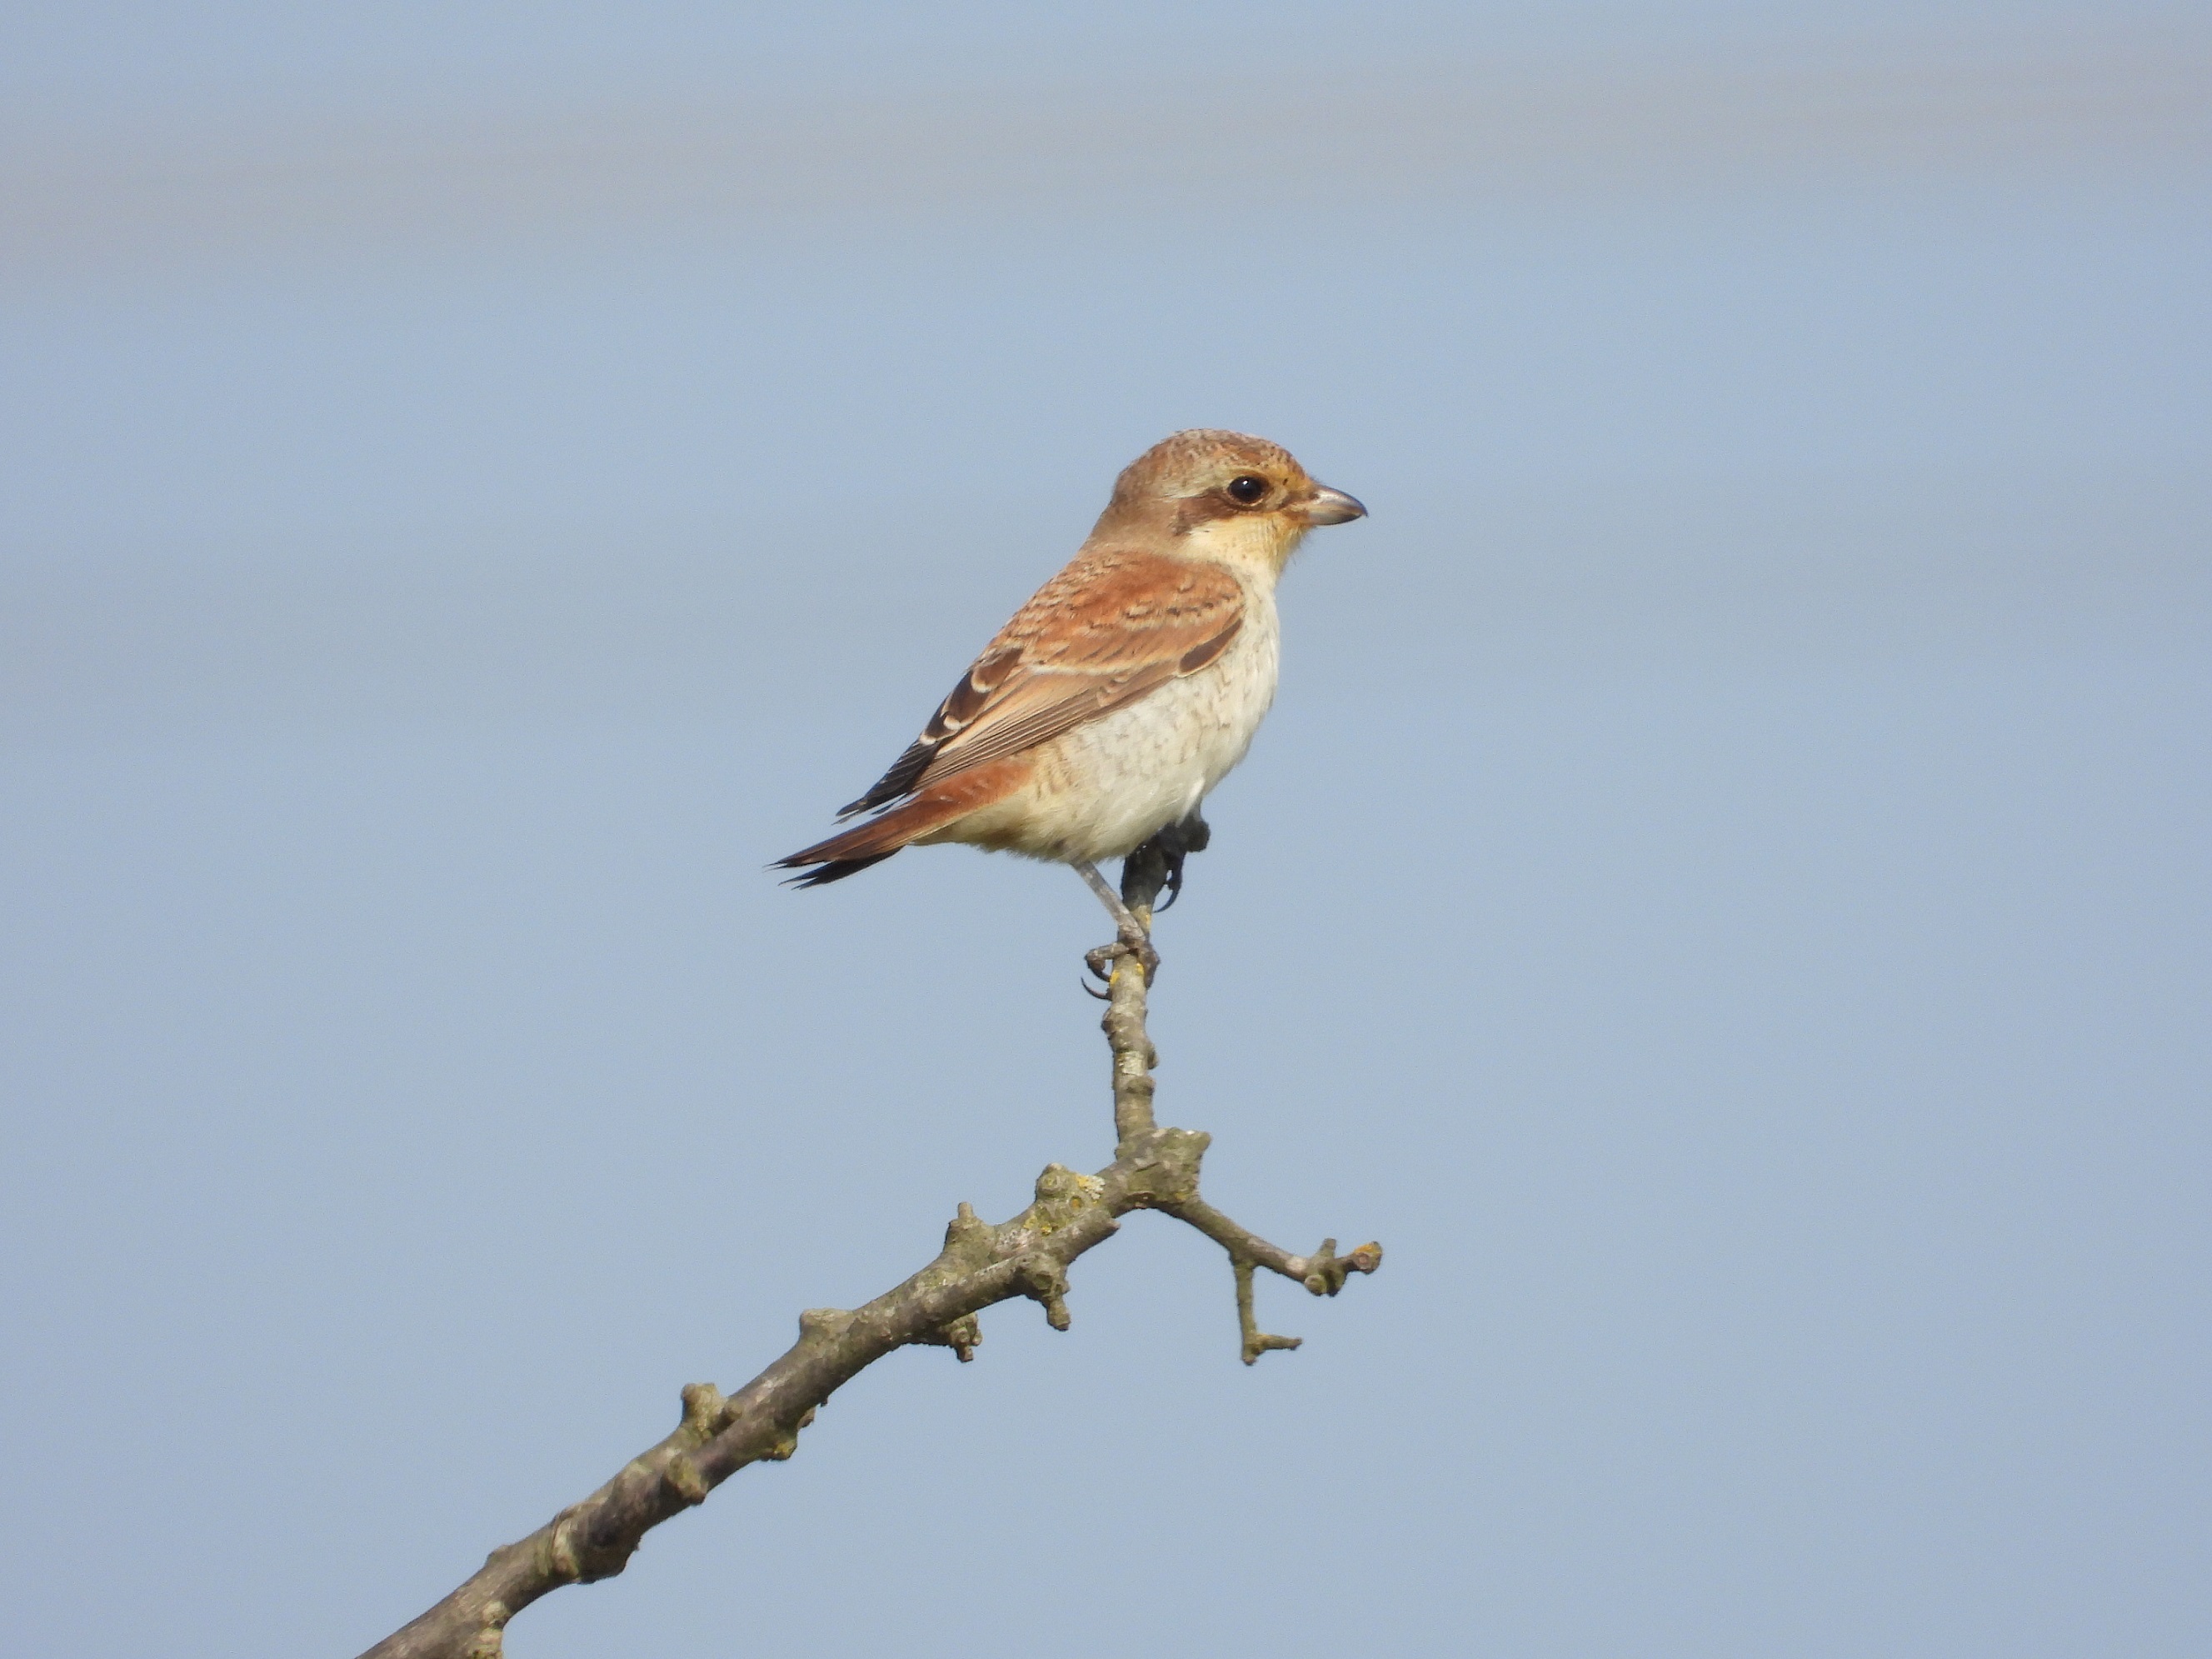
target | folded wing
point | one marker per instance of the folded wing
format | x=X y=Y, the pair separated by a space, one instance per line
x=1111 y=627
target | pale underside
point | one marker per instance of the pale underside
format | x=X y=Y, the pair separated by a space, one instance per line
x=1102 y=789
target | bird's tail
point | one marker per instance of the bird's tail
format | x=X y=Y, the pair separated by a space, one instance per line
x=933 y=808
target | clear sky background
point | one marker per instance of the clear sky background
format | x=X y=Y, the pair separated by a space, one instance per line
x=1723 y=895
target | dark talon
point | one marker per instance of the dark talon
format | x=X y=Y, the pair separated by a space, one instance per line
x=1175 y=855
x=1174 y=844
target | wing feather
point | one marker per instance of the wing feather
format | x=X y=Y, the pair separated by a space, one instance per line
x=1112 y=626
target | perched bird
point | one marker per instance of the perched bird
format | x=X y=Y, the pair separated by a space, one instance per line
x=1124 y=690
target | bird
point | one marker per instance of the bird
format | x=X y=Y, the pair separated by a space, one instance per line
x=1106 y=708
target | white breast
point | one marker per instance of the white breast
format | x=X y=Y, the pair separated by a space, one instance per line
x=1104 y=788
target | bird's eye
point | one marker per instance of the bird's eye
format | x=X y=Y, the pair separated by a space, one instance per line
x=1247 y=489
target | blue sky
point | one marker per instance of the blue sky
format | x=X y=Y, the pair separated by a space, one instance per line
x=1721 y=895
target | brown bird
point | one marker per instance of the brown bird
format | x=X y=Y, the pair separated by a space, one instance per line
x=1119 y=695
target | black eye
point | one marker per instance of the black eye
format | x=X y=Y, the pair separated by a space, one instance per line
x=1247 y=489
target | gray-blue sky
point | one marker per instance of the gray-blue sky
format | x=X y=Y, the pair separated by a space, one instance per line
x=1722 y=894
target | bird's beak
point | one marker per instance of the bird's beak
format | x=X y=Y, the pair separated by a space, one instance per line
x=1332 y=507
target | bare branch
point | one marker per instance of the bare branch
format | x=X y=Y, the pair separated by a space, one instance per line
x=980 y=1265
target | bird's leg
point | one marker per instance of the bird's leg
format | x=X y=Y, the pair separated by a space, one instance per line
x=1124 y=918
x=1135 y=940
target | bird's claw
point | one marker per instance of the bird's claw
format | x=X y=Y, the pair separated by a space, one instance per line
x=1172 y=885
x=1174 y=844
x=1134 y=945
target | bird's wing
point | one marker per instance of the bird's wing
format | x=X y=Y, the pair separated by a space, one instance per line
x=1111 y=627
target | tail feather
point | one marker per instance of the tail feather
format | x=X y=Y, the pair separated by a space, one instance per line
x=936 y=806
x=834 y=870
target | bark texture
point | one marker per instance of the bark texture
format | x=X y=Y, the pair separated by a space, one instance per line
x=982 y=1264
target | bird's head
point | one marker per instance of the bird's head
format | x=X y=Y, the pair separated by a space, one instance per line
x=1223 y=495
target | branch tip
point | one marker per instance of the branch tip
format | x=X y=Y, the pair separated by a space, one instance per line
x=962 y=1336
x=1044 y=1281
x=1326 y=1271
x=1256 y=1340
x=706 y=1413
x=966 y=1231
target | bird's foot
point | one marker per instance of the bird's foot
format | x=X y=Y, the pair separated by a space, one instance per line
x=1134 y=944
x=1174 y=844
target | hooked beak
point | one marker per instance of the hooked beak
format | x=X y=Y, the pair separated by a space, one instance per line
x=1332 y=507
